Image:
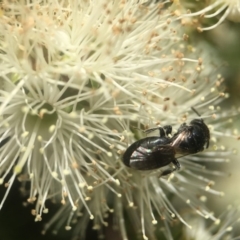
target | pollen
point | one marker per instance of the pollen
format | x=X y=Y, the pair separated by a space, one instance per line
x=55 y=174
x=17 y=169
x=52 y=128
x=68 y=228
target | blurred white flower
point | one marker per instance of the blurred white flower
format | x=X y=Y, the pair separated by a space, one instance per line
x=223 y=228
x=223 y=9
x=76 y=78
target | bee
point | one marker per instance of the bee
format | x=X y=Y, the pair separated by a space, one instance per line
x=159 y=151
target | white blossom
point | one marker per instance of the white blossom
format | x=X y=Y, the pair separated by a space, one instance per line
x=225 y=227
x=77 y=79
x=221 y=9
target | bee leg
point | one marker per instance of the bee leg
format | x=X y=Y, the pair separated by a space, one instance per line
x=161 y=131
x=168 y=129
x=177 y=165
x=166 y=172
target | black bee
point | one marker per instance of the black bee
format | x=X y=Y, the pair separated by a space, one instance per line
x=156 y=152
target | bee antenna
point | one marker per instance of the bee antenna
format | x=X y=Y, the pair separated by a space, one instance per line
x=196 y=111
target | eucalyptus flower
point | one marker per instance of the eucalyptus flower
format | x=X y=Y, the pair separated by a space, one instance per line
x=223 y=228
x=221 y=9
x=79 y=81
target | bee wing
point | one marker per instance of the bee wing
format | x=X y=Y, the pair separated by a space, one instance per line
x=143 y=153
x=152 y=158
x=163 y=150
